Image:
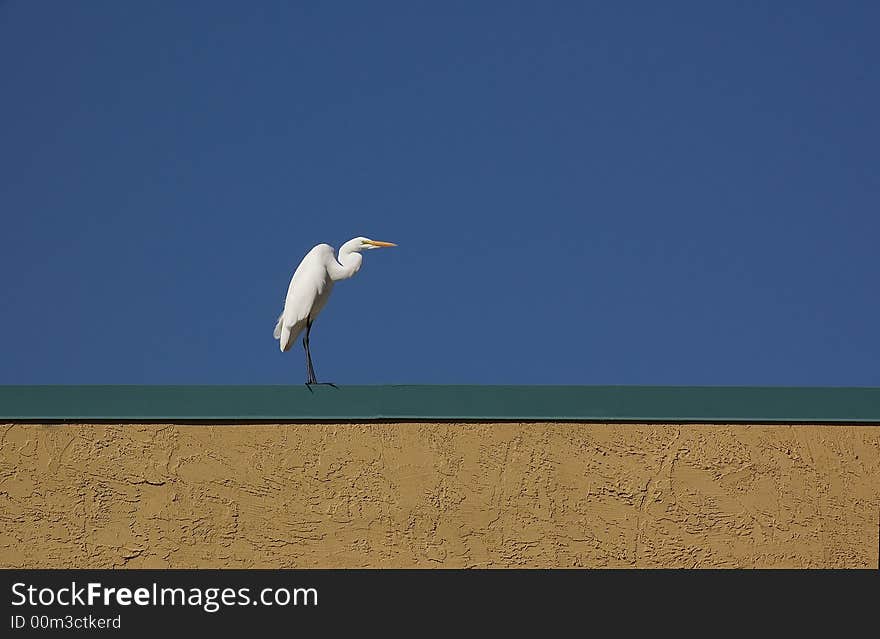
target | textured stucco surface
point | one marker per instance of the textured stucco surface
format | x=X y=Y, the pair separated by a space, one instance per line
x=438 y=495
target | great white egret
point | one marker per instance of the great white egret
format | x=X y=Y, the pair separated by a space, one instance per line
x=310 y=288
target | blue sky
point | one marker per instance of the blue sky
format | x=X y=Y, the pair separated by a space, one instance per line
x=582 y=192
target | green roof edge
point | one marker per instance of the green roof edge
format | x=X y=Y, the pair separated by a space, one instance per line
x=298 y=403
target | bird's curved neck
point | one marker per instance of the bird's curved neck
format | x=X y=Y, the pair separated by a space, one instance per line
x=346 y=264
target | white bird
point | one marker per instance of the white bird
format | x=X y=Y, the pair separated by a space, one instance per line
x=310 y=288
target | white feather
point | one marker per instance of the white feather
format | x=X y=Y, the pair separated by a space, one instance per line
x=312 y=283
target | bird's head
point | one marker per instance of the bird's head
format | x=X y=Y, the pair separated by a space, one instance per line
x=366 y=244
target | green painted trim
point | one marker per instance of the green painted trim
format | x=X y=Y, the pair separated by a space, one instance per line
x=443 y=403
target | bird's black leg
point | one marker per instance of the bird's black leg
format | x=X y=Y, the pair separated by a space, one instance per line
x=309 y=365
x=313 y=379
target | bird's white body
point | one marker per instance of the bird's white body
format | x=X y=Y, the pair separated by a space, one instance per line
x=312 y=283
x=307 y=294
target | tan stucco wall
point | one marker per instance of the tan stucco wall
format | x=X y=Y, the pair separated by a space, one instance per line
x=438 y=495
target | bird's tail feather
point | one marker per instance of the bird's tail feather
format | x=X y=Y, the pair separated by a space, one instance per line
x=288 y=335
x=277 y=333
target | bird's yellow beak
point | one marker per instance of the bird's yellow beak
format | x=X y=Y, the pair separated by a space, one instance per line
x=380 y=244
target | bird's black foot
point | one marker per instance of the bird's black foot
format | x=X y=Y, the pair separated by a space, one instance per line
x=310 y=384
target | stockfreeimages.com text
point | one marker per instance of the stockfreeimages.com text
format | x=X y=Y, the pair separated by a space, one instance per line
x=209 y=599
